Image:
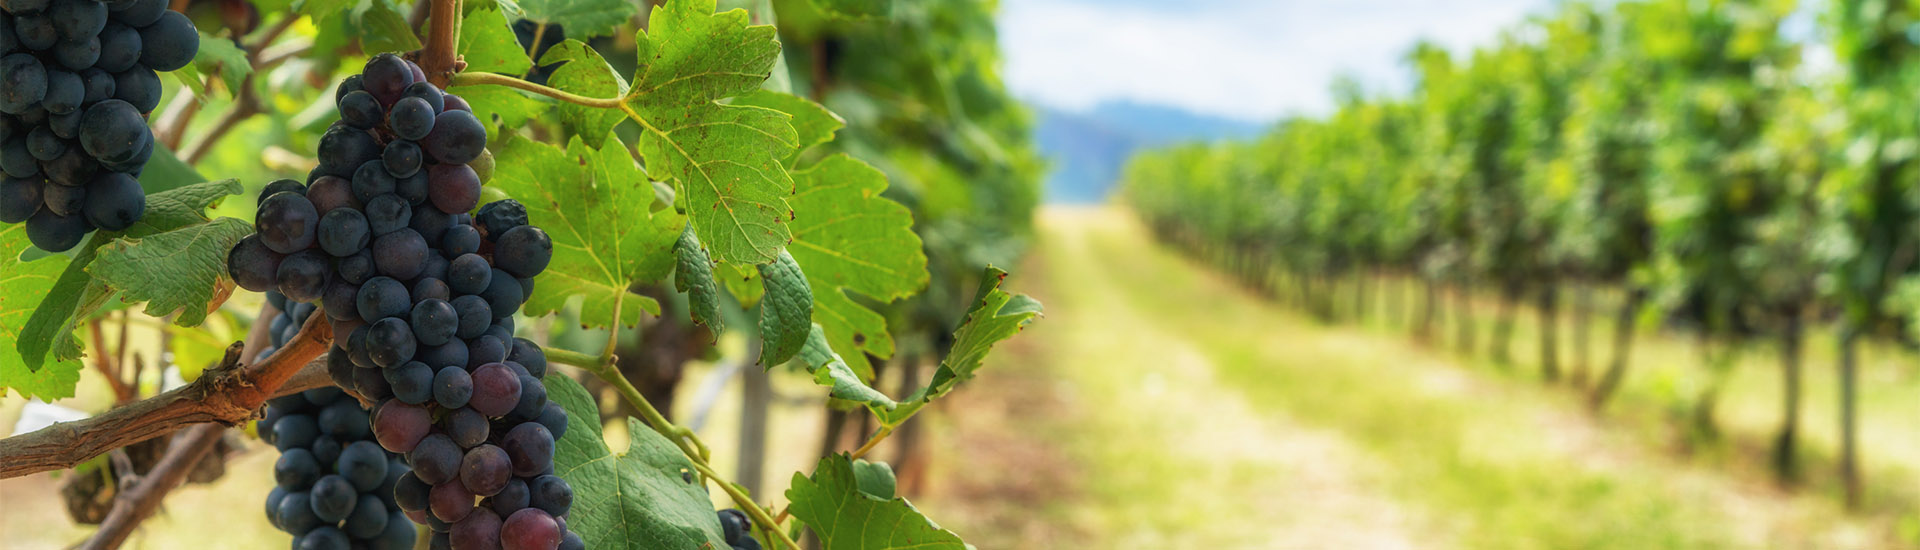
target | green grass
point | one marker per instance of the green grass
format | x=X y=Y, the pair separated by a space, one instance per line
x=1216 y=415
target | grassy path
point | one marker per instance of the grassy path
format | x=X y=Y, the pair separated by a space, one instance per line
x=1163 y=407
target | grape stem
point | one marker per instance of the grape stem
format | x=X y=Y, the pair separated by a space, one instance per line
x=227 y=394
x=441 y=57
x=476 y=79
x=603 y=366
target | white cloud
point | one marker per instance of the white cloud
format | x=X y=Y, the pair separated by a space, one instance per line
x=1244 y=59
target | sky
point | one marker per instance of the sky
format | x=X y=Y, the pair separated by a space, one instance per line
x=1249 y=60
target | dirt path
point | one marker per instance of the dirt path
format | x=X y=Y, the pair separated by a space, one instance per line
x=1159 y=406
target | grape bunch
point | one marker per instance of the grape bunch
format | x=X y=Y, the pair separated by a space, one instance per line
x=737 y=530
x=333 y=484
x=77 y=79
x=421 y=295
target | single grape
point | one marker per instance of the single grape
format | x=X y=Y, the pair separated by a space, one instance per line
x=348 y=85
x=138 y=86
x=356 y=269
x=434 y=322
x=140 y=13
x=325 y=537
x=273 y=502
x=344 y=419
x=286 y=222
x=451 y=354
x=552 y=494
x=554 y=418
x=401 y=158
x=119 y=48
x=456 y=138
x=427 y=91
x=34 y=30
x=76 y=168
x=344 y=149
x=99 y=86
x=343 y=232
x=452 y=387
x=411 y=382
x=503 y=294
x=401 y=254
x=55 y=233
x=296 y=513
x=114 y=201
x=412 y=118
x=429 y=288
x=436 y=459
x=411 y=493
x=329 y=193
x=467 y=427
x=371 y=180
x=496 y=390
x=381 y=298
x=414 y=188
x=511 y=498
x=388 y=213
x=361 y=110
x=571 y=541
x=369 y=518
x=450 y=501
x=65 y=92
x=65 y=200
x=113 y=130
x=400 y=427
x=390 y=342
x=432 y=224
x=169 y=43
x=530 y=529
x=76 y=19
x=77 y=55
x=341 y=299
x=276 y=186
x=485 y=349
x=303 y=275
x=460 y=240
x=523 y=251
x=386 y=76
x=371 y=382
x=23 y=82
x=530 y=446
x=469 y=274
x=500 y=216
x=364 y=464
x=399 y=535
x=485 y=470
x=333 y=498
x=296 y=469
x=253 y=265
x=529 y=355
x=456 y=103
x=453 y=188
x=533 y=400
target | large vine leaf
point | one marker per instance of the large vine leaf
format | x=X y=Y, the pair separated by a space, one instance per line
x=500 y=105
x=645 y=498
x=182 y=270
x=583 y=71
x=786 y=312
x=76 y=295
x=847 y=515
x=830 y=370
x=726 y=158
x=23 y=284
x=994 y=316
x=383 y=29
x=693 y=274
x=594 y=205
x=813 y=124
x=487 y=43
x=581 y=18
x=851 y=239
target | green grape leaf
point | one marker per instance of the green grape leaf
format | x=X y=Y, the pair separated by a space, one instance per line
x=846 y=518
x=22 y=285
x=786 y=312
x=594 y=205
x=852 y=239
x=994 y=316
x=581 y=18
x=383 y=29
x=694 y=276
x=501 y=106
x=76 y=295
x=830 y=370
x=855 y=8
x=183 y=270
x=874 y=478
x=726 y=158
x=583 y=71
x=487 y=44
x=645 y=498
x=743 y=282
x=812 y=122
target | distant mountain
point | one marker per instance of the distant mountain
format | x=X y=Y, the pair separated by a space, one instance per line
x=1088 y=149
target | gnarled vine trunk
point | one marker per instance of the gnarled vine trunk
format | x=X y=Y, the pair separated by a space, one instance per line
x=1623 y=325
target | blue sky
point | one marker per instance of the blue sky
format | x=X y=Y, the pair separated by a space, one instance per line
x=1250 y=60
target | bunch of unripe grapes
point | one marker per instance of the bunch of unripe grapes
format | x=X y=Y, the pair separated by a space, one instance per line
x=421 y=294
x=737 y=531
x=77 y=79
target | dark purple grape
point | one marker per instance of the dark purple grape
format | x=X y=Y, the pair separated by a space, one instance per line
x=467 y=427
x=296 y=469
x=364 y=464
x=428 y=92
x=368 y=520
x=169 y=43
x=341 y=300
x=356 y=269
x=361 y=110
x=114 y=130
x=460 y=240
x=529 y=355
x=333 y=498
x=485 y=470
x=413 y=118
x=343 y=232
x=381 y=298
x=411 y=382
x=485 y=349
x=436 y=459
x=400 y=427
x=138 y=86
x=533 y=400
x=65 y=200
x=303 y=275
x=456 y=139
x=411 y=493
x=451 y=501
x=511 y=498
x=401 y=254
x=286 y=222
x=390 y=342
x=115 y=201
x=119 y=49
x=523 y=251
x=496 y=390
x=475 y=315
x=454 y=188
x=530 y=529
x=452 y=387
x=434 y=322
x=500 y=216
x=388 y=213
x=552 y=494
x=428 y=288
x=386 y=76
x=254 y=266
x=554 y=418
x=530 y=446
x=469 y=274
x=329 y=193
x=503 y=294
x=56 y=233
x=371 y=180
x=23 y=82
x=344 y=149
x=401 y=158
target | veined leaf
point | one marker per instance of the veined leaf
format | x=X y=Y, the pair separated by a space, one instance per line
x=834 y=506
x=584 y=72
x=694 y=276
x=812 y=122
x=487 y=43
x=851 y=239
x=994 y=316
x=645 y=498
x=786 y=312
x=594 y=205
x=23 y=284
x=830 y=370
x=726 y=158
x=182 y=270
x=76 y=295
x=500 y=105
